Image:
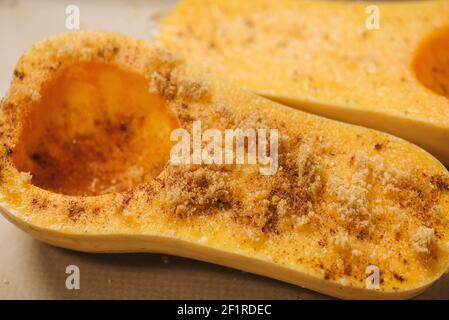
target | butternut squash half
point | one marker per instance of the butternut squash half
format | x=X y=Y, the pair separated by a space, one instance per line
x=328 y=58
x=85 y=148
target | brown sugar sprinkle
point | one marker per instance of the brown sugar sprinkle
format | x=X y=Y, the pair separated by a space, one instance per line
x=440 y=182
x=197 y=190
x=167 y=84
x=75 y=211
x=399 y=277
x=18 y=74
x=378 y=146
x=424 y=239
x=40 y=203
x=295 y=192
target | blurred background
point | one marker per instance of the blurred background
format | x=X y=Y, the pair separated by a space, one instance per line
x=23 y=22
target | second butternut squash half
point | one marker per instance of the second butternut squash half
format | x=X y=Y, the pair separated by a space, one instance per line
x=324 y=57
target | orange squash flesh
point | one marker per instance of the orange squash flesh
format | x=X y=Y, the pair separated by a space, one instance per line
x=320 y=57
x=84 y=143
x=84 y=147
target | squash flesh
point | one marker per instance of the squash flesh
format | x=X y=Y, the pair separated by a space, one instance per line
x=344 y=197
x=91 y=133
x=319 y=57
x=431 y=62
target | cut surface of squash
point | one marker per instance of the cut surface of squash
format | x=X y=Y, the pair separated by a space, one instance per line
x=344 y=200
x=79 y=137
x=431 y=62
x=319 y=56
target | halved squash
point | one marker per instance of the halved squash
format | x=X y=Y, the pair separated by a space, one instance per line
x=85 y=145
x=320 y=56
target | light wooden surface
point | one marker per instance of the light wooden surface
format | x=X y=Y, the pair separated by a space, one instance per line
x=32 y=270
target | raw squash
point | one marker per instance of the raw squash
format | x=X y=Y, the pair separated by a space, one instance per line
x=319 y=56
x=85 y=143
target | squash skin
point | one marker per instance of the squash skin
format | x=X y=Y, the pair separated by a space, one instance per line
x=142 y=219
x=318 y=57
x=123 y=243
